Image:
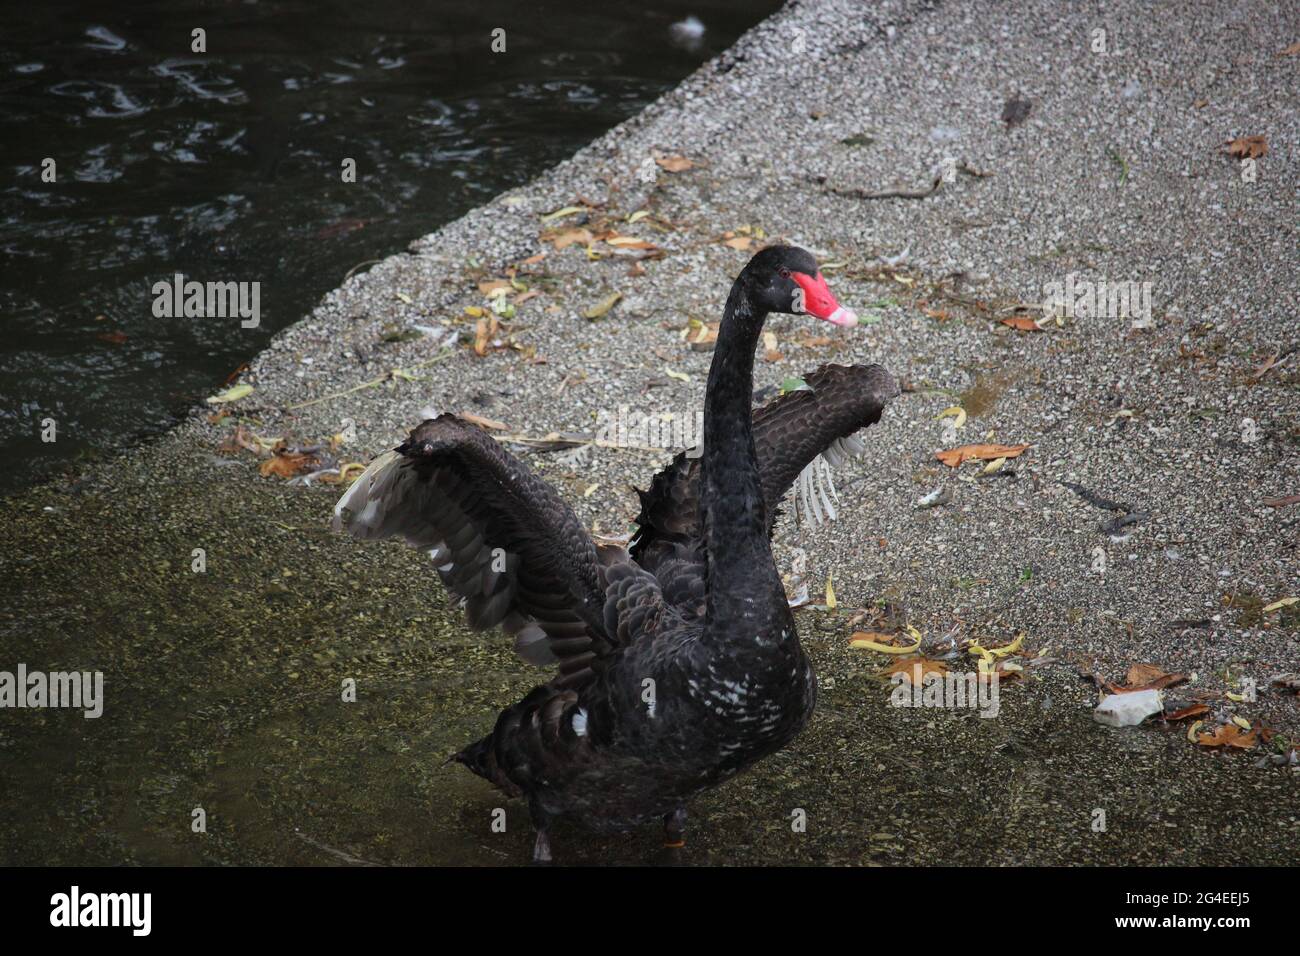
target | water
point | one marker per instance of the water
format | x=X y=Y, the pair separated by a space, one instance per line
x=225 y=166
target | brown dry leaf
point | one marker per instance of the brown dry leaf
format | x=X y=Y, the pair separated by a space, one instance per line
x=240 y=439
x=701 y=337
x=743 y=243
x=1292 y=50
x=523 y=297
x=939 y=315
x=1229 y=735
x=1022 y=323
x=814 y=341
x=482 y=422
x=1247 y=147
x=533 y=260
x=1282 y=502
x=484 y=334
x=955 y=456
x=286 y=464
x=494 y=285
x=907 y=666
x=1149 y=677
x=630 y=242
x=674 y=164
x=771 y=353
x=1182 y=713
x=563 y=238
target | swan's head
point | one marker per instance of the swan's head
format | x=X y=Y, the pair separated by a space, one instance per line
x=786 y=279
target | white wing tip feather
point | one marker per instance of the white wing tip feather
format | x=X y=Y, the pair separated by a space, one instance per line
x=816 y=486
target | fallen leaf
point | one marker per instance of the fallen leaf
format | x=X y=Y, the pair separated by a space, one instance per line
x=286 y=464
x=495 y=287
x=1182 y=713
x=1022 y=323
x=771 y=353
x=1247 y=147
x=232 y=394
x=794 y=384
x=1278 y=605
x=955 y=456
x=955 y=412
x=562 y=213
x=867 y=641
x=1229 y=735
x=1292 y=50
x=830 y=590
x=914 y=669
x=674 y=164
x=482 y=422
x=116 y=338
x=743 y=243
x=563 y=238
x=599 y=310
x=1148 y=677
x=701 y=336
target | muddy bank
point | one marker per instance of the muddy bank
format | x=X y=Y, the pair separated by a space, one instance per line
x=224 y=688
x=223 y=691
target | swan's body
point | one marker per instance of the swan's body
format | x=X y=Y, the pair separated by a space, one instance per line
x=678 y=660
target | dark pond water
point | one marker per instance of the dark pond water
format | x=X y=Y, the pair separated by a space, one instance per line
x=226 y=166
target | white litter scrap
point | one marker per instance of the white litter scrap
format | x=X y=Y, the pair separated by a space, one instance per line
x=1128 y=710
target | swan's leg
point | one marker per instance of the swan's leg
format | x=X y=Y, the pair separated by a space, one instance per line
x=542 y=824
x=542 y=847
x=675 y=829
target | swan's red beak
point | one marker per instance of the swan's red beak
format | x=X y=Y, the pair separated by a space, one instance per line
x=818 y=301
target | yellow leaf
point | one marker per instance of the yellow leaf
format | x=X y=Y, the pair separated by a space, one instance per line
x=955 y=412
x=680 y=376
x=603 y=306
x=864 y=641
x=561 y=213
x=830 y=591
x=232 y=394
x=1192 y=730
x=1275 y=606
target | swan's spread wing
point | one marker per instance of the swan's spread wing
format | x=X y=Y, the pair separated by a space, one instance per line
x=791 y=433
x=502 y=540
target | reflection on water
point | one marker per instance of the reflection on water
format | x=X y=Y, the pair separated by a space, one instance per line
x=225 y=165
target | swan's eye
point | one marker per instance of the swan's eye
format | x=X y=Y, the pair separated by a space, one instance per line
x=784 y=273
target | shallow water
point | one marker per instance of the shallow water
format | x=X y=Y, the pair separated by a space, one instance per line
x=225 y=166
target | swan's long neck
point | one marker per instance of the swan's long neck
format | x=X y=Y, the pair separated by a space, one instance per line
x=744 y=588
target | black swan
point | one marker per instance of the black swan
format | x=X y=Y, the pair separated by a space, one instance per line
x=678 y=660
